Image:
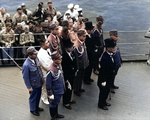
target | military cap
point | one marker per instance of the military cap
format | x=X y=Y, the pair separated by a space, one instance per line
x=76 y=7
x=79 y=9
x=55 y=55
x=109 y=43
x=8 y=24
x=19 y=24
x=23 y=4
x=113 y=32
x=31 y=50
x=70 y=6
x=59 y=15
x=53 y=26
x=19 y=8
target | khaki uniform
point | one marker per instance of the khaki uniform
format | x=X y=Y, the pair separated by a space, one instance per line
x=3 y=18
x=19 y=18
x=7 y=38
x=51 y=12
x=26 y=38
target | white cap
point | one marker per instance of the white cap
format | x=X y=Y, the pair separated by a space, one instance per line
x=76 y=6
x=59 y=13
x=19 y=24
x=79 y=9
x=23 y=4
x=70 y=6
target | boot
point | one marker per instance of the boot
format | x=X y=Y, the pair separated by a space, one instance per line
x=53 y=113
x=58 y=115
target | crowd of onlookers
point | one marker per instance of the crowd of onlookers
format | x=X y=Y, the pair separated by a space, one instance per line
x=26 y=28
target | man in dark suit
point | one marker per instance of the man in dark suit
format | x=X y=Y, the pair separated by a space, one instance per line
x=69 y=66
x=106 y=73
x=33 y=79
x=90 y=51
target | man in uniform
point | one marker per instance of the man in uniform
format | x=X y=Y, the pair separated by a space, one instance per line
x=26 y=38
x=50 y=10
x=118 y=60
x=106 y=73
x=39 y=13
x=54 y=40
x=3 y=16
x=97 y=36
x=82 y=60
x=7 y=40
x=19 y=16
x=33 y=79
x=54 y=85
x=73 y=13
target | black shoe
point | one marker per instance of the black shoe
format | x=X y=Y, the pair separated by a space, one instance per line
x=115 y=87
x=53 y=118
x=72 y=102
x=103 y=107
x=68 y=107
x=112 y=91
x=35 y=113
x=87 y=82
x=40 y=109
x=77 y=93
x=60 y=116
x=107 y=104
x=81 y=90
x=91 y=80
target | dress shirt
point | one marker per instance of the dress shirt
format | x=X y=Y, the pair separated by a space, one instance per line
x=45 y=60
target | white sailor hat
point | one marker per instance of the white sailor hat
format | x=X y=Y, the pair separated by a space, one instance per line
x=26 y=27
x=19 y=24
x=70 y=6
x=19 y=8
x=76 y=6
x=23 y=4
x=79 y=9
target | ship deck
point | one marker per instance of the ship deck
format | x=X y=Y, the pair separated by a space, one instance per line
x=130 y=102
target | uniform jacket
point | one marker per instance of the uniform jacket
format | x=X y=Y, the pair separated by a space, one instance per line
x=51 y=12
x=97 y=39
x=82 y=57
x=69 y=66
x=107 y=69
x=54 y=43
x=54 y=81
x=31 y=75
x=18 y=19
x=117 y=57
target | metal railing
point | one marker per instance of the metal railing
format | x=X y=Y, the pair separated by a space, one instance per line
x=133 y=46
